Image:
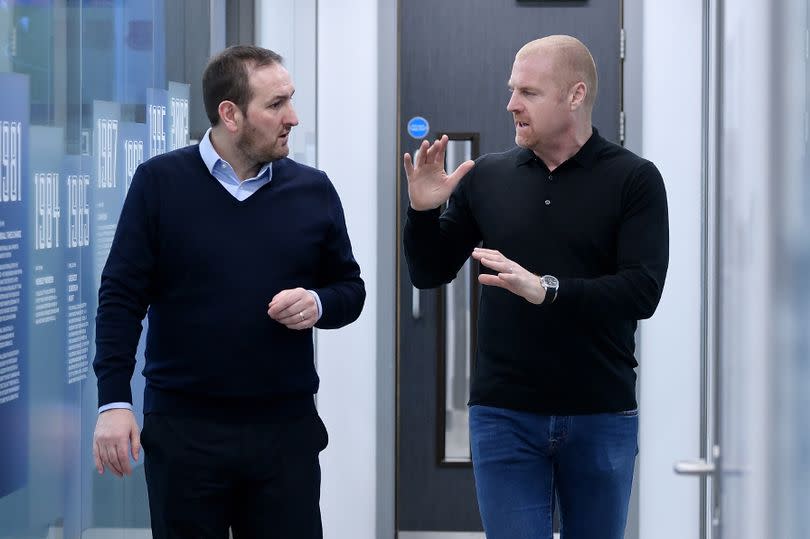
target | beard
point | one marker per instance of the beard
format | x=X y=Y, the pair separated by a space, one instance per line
x=257 y=148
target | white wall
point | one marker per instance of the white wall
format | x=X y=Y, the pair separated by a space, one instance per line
x=347 y=150
x=670 y=343
x=331 y=50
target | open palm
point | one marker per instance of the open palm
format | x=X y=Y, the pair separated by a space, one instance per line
x=429 y=186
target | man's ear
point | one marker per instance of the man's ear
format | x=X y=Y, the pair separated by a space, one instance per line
x=230 y=115
x=578 y=93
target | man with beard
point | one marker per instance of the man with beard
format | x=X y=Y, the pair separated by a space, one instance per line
x=574 y=252
x=237 y=252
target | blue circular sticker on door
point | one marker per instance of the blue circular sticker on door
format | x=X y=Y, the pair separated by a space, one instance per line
x=418 y=127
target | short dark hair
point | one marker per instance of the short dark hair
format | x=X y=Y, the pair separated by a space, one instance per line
x=226 y=77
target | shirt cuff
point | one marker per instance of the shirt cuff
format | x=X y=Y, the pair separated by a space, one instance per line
x=424 y=215
x=115 y=406
x=318 y=301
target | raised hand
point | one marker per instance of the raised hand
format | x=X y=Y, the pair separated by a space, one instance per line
x=429 y=186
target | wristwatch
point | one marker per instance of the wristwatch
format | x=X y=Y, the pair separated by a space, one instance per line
x=551 y=285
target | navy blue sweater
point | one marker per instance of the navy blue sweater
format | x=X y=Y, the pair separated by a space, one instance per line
x=206 y=265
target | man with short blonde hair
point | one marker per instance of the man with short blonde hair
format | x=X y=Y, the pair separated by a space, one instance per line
x=572 y=236
x=574 y=63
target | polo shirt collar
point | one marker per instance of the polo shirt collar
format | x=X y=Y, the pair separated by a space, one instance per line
x=585 y=156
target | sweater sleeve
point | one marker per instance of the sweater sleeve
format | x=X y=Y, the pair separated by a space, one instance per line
x=438 y=243
x=340 y=287
x=633 y=292
x=124 y=294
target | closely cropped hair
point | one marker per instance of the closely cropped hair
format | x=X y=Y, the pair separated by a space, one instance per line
x=226 y=77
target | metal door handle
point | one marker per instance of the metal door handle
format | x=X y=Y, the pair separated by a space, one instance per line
x=415 y=307
x=694 y=467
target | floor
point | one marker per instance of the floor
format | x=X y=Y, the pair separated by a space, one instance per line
x=120 y=533
x=446 y=535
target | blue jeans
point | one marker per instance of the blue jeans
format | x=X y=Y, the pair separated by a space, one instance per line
x=522 y=460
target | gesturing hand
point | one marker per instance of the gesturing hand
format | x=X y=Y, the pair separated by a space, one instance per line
x=295 y=308
x=429 y=186
x=511 y=276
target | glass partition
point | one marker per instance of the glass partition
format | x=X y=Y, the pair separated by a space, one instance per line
x=458 y=315
x=86 y=97
x=763 y=279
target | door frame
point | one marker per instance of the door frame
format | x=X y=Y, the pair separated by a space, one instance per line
x=400 y=302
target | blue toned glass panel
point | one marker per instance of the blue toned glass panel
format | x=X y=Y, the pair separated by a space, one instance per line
x=86 y=98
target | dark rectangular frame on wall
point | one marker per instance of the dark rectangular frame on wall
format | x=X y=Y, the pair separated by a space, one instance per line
x=240 y=20
x=441 y=336
x=190 y=44
x=564 y=3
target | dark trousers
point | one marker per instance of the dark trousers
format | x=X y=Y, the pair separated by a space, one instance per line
x=205 y=476
x=522 y=461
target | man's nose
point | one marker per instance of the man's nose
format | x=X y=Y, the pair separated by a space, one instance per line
x=512 y=105
x=292 y=117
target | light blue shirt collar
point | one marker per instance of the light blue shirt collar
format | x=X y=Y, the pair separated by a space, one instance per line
x=212 y=159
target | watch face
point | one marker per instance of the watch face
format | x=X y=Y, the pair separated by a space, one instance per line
x=550 y=281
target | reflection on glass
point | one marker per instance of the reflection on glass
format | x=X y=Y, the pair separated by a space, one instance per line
x=78 y=114
x=458 y=335
x=764 y=200
x=458 y=332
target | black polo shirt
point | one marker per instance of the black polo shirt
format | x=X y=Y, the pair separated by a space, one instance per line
x=598 y=223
